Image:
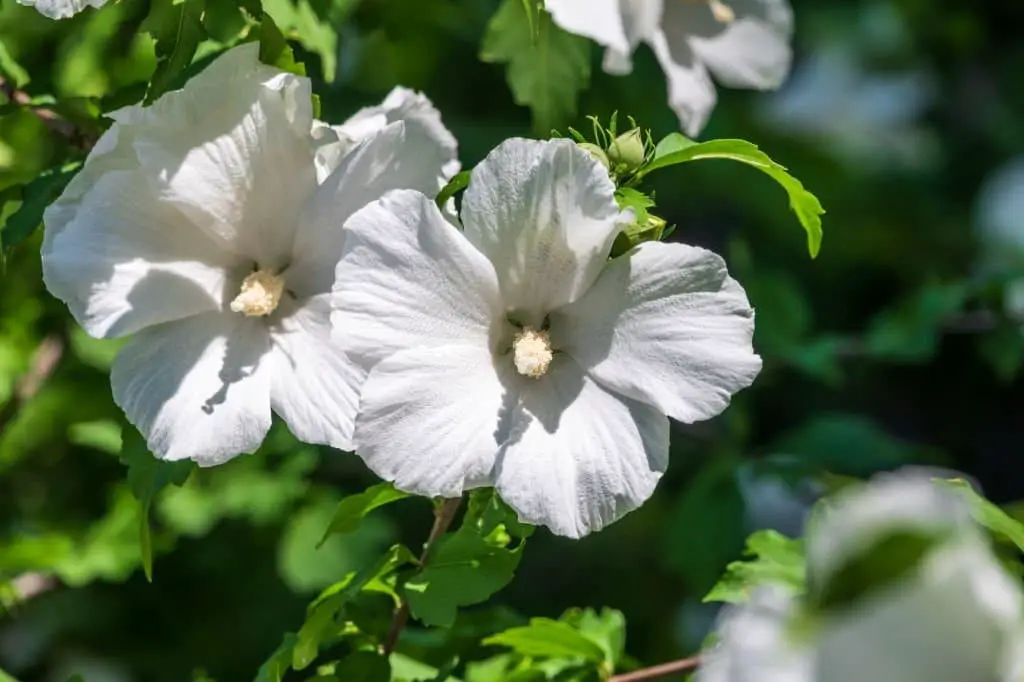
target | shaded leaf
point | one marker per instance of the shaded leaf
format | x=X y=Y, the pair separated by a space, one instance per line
x=352 y=509
x=35 y=197
x=546 y=74
x=177 y=28
x=777 y=560
x=546 y=638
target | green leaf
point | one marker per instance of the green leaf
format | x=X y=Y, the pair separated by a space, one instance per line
x=546 y=638
x=298 y=21
x=546 y=74
x=776 y=560
x=353 y=508
x=35 y=197
x=11 y=70
x=470 y=565
x=279 y=663
x=4 y=677
x=364 y=666
x=275 y=50
x=1003 y=527
x=177 y=28
x=676 y=148
x=1003 y=351
x=325 y=615
x=147 y=476
x=454 y=186
x=607 y=629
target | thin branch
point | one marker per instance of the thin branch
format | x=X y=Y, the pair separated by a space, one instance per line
x=443 y=517
x=657 y=672
x=30 y=585
x=44 y=362
x=50 y=118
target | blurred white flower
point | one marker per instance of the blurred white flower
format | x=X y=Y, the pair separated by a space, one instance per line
x=198 y=226
x=61 y=9
x=517 y=355
x=743 y=43
x=951 y=613
x=402 y=104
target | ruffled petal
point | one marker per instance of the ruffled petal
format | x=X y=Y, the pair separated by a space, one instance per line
x=666 y=325
x=233 y=151
x=691 y=93
x=599 y=20
x=578 y=457
x=752 y=51
x=197 y=389
x=61 y=9
x=122 y=260
x=314 y=386
x=401 y=156
x=402 y=104
x=433 y=419
x=545 y=214
x=409 y=279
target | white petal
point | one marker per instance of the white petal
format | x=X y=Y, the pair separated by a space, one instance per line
x=599 y=20
x=752 y=51
x=578 y=458
x=61 y=9
x=198 y=388
x=433 y=419
x=753 y=645
x=545 y=214
x=409 y=279
x=691 y=94
x=314 y=386
x=401 y=156
x=859 y=517
x=666 y=325
x=233 y=151
x=122 y=260
x=958 y=619
x=420 y=116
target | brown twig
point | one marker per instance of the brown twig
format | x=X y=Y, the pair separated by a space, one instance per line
x=44 y=362
x=656 y=672
x=50 y=118
x=29 y=585
x=443 y=517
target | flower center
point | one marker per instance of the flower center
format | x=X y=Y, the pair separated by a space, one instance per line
x=723 y=13
x=531 y=352
x=260 y=294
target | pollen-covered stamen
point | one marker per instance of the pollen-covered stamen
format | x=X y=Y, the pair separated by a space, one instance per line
x=531 y=352
x=260 y=294
x=722 y=12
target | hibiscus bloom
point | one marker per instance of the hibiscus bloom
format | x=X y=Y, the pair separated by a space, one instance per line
x=942 y=606
x=61 y=9
x=517 y=355
x=743 y=43
x=198 y=226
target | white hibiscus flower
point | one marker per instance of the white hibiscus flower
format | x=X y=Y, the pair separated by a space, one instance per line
x=743 y=43
x=61 y=9
x=954 y=614
x=517 y=355
x=198 y=226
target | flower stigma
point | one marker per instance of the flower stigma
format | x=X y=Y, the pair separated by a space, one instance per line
x=722 y=12
x=261 y=292
x=531 y=352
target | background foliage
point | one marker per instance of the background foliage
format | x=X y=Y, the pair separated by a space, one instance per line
x=892 y=347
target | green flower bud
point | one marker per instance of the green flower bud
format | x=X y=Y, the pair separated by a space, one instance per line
x=596 y=152
x=628 y=150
